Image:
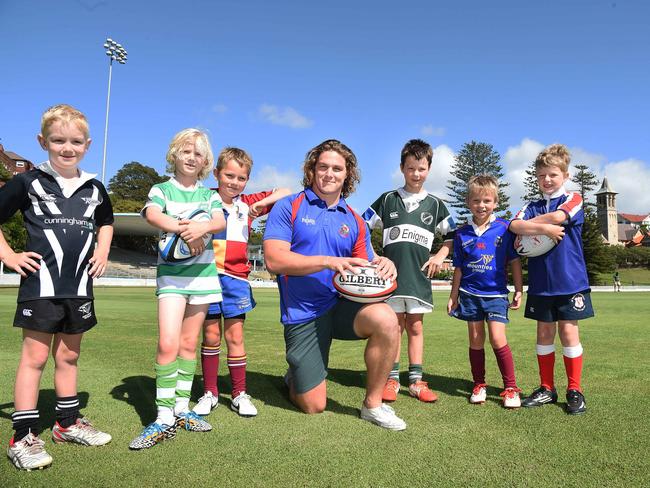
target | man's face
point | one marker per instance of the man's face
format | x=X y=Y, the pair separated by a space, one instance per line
x=415 y=173
x=329 y=174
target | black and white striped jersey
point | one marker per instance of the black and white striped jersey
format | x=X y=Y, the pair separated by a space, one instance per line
x=61 y=227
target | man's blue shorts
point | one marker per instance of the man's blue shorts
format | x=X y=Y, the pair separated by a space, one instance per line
x=576 y=306
x=237 y=299
x=477 y=309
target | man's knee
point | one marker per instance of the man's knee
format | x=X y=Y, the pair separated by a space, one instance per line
x=377 y=319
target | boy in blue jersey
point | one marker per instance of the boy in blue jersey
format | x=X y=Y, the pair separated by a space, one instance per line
x=482 y=250
x=558 y=288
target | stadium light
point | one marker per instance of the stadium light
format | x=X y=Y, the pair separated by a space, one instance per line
x=115 y=52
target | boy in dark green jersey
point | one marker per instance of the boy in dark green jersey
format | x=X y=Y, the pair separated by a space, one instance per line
x=410 y=218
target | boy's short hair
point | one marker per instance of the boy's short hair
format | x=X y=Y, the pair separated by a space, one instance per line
x=483 y=184
x=64 y=113
x=554 y=155
x=241 y=157
x=353 y=176
x=418 y=149
x=200 y=141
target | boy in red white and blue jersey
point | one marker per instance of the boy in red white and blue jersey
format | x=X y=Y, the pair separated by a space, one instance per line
x=231 y=258
x=558 y=287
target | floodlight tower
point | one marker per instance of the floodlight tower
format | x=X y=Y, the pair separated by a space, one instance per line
x=115 y=52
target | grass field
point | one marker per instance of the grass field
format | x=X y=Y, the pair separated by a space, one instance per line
x=629 y=276
x=450 y=443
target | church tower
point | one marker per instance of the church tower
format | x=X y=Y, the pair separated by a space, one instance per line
x=606 y=211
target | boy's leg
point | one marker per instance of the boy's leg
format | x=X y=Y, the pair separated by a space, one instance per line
x=417 y=388
x=545 y=348
x=503 y=353
x=210 y=351
x=193 y=319
x=66 y=350
x=476 y=333
x=234 y=334
x=572 y=353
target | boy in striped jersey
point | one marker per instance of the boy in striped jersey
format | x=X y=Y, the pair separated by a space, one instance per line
x=231 y=257
x=184 y=288
x=66 y=212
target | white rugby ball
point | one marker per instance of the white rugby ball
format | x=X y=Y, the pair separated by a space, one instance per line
x=533 y=246
x=364 y=287
x=174 y=249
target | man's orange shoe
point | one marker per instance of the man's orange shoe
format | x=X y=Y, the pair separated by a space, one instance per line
x=421 y=391
x=390 y=390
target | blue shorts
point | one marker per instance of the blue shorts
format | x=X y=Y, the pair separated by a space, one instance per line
x=237 y=299
x=576 y=306
x=477 y=309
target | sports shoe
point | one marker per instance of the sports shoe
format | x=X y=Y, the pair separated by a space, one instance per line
x=575 y=402
x=421 y=391
x=29 y=453
x=192 y=422
x=391 y=388
x=539 y=397
x=511 y=398
x=206 y=404
x=243 y=406
x=479 y=394
x=383 y=416
x=81 y=432
x=153 y=434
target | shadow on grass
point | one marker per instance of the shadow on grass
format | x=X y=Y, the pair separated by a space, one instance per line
x=46 y=405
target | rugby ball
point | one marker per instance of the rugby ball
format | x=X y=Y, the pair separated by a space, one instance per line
x=174 y=249
x=364 y=287
x=533 y=246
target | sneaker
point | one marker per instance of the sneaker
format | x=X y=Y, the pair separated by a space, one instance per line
x=391 y=388
x=243 y=406
x=206 y=404
x=29 y=453
x=421 y=391
x=539 y=397
x=153 y=434
x=383 y=416
x=511 y=398
x=479 y=394
x=192 y=422
x=575 y=402
x=81 y=432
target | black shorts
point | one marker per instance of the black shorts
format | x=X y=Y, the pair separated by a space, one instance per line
x=54 y=315
x=576 y=306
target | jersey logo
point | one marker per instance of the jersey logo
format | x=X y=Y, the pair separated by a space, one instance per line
x=394 y=233
x=394 y=215
x=27 y=312
x=480 y=245
x=578 y=302
x=308 y=221
x=498 y=241
x=426 y=218
x=91 y=201
x=48 y=197
x=344 y=230
x=85 y=309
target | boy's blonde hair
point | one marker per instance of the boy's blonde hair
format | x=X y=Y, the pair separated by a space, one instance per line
x=200 y=141
x=483 y=184
x=554 y=155
x=241 y=157
x=67 y=114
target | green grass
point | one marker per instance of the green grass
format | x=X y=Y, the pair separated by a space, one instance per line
x=629 y=276
x=450 y=443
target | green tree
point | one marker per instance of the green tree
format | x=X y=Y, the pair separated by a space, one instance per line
x=475 y=158
x=586 y=180
x=133 y=182
x=14 y=228
x=530 y=185
x=598 y=257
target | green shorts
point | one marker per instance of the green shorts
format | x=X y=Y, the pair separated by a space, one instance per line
x=308 y=344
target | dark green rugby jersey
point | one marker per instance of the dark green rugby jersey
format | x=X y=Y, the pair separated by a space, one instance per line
x=410 y=222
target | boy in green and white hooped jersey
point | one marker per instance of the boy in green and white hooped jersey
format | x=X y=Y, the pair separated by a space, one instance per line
x=410 y=218
x=185 y=289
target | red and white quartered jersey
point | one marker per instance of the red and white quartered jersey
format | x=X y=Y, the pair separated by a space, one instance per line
x=231 y=245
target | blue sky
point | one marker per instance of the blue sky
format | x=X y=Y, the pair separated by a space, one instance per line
x=278 y=77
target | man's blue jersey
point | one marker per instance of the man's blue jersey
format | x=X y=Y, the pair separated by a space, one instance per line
x=483 y=258
x=562 y=270
x=304 y=220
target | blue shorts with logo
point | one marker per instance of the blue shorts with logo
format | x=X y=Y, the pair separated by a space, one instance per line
x=477 y=309
x=576 y=306
x=237 y=299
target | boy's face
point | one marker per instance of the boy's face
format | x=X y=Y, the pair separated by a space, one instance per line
x=231 y=180
x=550 y=179
x=190 y=161
x=415 y=173
x=481 y=205
x=66 y=145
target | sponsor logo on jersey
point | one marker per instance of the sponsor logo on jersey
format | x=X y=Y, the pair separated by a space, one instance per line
x=308 y=221
x=85 y=309
x=409 y=233
x=578 y=302
x=91 y=201
x=27 y=312
x=426 y=218
x=69 y=221
x=468 y=242
x=394 y=233
x=482 y=264
x=48 y=197
x=480 y=245
x=344 y=230
x=394 y=215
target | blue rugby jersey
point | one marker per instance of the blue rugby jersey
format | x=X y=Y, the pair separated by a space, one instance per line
x=304 y=220
x=562 y=270
x=483 y=258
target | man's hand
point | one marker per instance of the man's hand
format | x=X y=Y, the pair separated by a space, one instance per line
x=23 y=262
x=344 y=265
x=385 y=267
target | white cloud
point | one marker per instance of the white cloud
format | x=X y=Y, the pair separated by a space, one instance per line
x=631 y=179
x=443 y=158
x=430 y=130
x=219 y=108
x=268 y=177
x=286 y=116
x=515 y=162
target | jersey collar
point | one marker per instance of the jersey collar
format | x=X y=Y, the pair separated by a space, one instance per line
x=479 y=232
x=175 y=182
x=47 y=168
x=314 y=199
x=411 y=200
x=560 y=192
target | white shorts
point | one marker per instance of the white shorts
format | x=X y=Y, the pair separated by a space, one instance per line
x=194 y=299
x=408 y=305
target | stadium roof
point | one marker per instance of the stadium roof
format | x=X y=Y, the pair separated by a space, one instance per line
x=132 y=224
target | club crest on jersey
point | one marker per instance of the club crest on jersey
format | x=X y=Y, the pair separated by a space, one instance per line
x=426 y=218
x=48 y=197
x=480 y=245
x=394 y=215
x=498 y=241
x=578 y=302
x=85 y=309
x=91 y=201
x=344 y=230
x=394 y=233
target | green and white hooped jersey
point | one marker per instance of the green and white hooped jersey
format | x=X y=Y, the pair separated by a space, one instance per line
x=197 y=275
x=410 y=222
